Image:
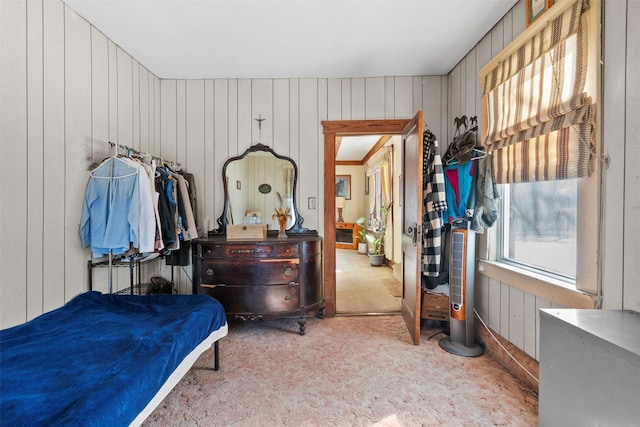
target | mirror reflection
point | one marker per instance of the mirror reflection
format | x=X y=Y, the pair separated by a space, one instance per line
x=257 y=185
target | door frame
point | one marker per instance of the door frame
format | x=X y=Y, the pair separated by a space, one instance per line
x=333 y=129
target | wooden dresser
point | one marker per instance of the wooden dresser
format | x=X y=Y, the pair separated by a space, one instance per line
x=266 y=278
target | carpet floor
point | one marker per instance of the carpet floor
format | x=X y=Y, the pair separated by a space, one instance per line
x=346 y=371
x=361 y=288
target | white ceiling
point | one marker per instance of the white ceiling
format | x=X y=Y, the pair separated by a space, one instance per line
x=356 y=147
x=294 y=38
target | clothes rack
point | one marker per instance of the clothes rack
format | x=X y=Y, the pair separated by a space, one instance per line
x=117 y=249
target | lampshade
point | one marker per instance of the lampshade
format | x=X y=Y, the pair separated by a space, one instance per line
x=340 y=202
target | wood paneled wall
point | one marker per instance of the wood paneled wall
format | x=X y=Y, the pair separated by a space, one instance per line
x=507 y=310
x=65 y=91
x=204 y=122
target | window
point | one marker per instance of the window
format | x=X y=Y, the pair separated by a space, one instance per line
x=539 y=124
x=539 y=230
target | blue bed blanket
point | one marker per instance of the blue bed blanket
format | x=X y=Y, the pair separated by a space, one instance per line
x=100 y=359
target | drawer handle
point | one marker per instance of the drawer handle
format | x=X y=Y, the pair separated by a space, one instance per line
x=287 y=298
x=246 y=251
x=209 y=272
x=288 y=271
x=211 y=286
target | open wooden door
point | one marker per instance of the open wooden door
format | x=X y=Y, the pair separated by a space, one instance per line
x=411 y=199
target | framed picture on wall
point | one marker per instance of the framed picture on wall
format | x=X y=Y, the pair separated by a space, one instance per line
x=343 y=186
x=535 y=8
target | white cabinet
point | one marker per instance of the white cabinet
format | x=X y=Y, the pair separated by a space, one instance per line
x=589 y=368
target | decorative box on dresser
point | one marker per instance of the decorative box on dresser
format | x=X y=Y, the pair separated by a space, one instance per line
x=265 y=278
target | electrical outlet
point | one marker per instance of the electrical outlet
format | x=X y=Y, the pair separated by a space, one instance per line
x=311 y=203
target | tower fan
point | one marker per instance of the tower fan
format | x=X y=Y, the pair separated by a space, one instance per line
x=461 y=340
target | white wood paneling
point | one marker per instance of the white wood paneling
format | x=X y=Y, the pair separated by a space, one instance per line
x=54 y=153
x=35 y=150
x=334 y=99
x=613 y=189
x=244 y=118
x=13 y=134
x=180 y=143
x=309 y=183
x=125 y=98
x=143 y=123
x=168 y=118
x=135 y=105
x=99 y=125
x=77 y=125
x=358 y=99
x=220 y=141
x=374 y=97
x=403 y=98
x=196 y=160
x=389 y=95
x=262 y=103
x=281 y=117
x=206 y=182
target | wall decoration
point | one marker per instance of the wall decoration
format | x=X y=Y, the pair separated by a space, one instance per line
x=264 y=188
x=343 y=186
x=535 y=8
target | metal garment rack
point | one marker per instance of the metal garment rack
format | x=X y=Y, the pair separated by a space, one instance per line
x=135 y=276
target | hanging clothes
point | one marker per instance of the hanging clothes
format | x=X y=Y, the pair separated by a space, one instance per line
x=111 y=208
x=147 y=218
x=189 y=229
x=435 y=203
x=458 y=187
x=485 y=213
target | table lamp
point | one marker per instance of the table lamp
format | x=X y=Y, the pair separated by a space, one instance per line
x=340 y=206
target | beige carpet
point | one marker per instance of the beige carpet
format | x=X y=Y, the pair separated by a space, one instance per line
x=361 y=288
x=347 y=371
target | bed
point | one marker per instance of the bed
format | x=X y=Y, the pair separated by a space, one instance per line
x=103 y=359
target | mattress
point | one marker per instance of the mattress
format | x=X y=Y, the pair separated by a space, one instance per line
x=102 y=359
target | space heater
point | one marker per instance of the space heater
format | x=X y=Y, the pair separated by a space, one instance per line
x=461 y=340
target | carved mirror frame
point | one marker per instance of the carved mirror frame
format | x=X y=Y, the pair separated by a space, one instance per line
x=296 y=227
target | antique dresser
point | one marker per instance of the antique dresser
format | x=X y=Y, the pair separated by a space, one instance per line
x=264 y=278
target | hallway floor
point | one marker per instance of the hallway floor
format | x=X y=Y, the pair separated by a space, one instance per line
x=363 y=289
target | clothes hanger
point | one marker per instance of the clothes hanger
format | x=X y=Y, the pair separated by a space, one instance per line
x=478 y=153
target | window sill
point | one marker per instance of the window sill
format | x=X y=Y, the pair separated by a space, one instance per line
x=545 y=287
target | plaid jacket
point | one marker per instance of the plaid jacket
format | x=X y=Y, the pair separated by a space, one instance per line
x=434 y=203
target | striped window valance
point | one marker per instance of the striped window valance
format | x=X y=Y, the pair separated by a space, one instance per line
x=536 y=117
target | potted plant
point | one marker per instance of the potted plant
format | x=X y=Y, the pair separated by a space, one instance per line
x=376 y=255
x=362 y=235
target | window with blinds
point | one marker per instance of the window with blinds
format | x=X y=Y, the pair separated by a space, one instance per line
x=539 y=110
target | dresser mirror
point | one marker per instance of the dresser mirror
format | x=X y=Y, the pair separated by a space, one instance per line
x=257 y=183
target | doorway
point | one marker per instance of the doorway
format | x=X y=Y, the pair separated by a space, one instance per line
x=332 y=131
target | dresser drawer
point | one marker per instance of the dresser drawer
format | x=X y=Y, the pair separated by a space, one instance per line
x=255 y=300
x=250 y=272
x=242 y=251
